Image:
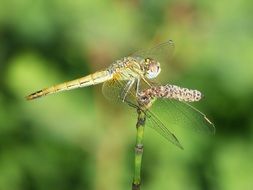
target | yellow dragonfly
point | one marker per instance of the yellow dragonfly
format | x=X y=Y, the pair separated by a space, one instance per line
x=125 y=79
x=131 y=70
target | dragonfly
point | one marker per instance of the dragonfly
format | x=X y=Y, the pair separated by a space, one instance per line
x=131 y=70
x=131 y=79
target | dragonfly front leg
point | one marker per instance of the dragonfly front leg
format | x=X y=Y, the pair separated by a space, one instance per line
x=126 y=89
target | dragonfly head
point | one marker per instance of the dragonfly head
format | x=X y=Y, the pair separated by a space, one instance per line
x=151 y=68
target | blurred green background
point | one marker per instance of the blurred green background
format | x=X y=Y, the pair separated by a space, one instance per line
x=78 y=139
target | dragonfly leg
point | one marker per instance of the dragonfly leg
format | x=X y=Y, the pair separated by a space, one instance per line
x=126 y=89
x=137 y=87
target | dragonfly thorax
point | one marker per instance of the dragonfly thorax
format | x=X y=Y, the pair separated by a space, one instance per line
x=151 y=68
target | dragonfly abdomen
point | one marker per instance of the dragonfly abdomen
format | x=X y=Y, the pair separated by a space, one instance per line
x=88 y=80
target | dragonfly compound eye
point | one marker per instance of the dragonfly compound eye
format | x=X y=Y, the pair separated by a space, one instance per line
x=152 y=68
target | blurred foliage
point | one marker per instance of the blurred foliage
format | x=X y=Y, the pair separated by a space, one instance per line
x=74 y=141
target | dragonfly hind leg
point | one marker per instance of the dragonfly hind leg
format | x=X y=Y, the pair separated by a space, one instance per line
x=137 y=87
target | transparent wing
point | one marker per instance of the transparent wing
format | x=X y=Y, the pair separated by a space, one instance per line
x=162 y=52
x=113 y=90
x=167 y=115
x=176 y=114
x=158 y=126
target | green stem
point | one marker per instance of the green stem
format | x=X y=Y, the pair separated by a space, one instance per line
x=138 y=150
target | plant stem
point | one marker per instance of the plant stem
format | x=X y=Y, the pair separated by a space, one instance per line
x=138 y=149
